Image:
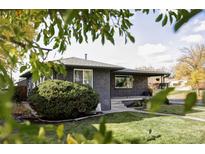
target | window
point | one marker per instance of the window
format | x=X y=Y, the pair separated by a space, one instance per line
x=124 y=81
x=83 y=76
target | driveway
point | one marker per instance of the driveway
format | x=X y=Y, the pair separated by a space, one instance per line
x=181 y=101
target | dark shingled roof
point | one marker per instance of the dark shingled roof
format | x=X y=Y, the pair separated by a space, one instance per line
x=78 y=62
x=143 y=72
x=73 y=61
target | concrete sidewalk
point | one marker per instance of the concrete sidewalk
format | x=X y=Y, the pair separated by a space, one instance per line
x=119 y=107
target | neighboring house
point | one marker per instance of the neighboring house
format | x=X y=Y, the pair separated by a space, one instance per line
x=157 y=82
x=110 y=81
x=202 y=85
x=180 y=84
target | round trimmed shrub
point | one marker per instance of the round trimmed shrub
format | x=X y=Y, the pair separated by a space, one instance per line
x=57 y=99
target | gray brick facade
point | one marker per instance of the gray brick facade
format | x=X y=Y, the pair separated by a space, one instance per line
x=101 y=83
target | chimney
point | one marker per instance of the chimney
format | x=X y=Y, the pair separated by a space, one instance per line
x=86 y=56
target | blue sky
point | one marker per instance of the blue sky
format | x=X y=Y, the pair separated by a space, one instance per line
x=155 y=45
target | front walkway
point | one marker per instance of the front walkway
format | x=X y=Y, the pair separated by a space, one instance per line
x=117 y=106
x=129 y=98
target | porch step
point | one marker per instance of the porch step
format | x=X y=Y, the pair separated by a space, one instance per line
x=117 y=105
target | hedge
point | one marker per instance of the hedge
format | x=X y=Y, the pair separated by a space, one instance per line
x=57 y=99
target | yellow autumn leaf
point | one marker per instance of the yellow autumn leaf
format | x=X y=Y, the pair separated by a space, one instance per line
x=71 y=140
x=41 y=133
x=60 y=131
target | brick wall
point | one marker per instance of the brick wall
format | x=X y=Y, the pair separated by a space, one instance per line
x=101 y=83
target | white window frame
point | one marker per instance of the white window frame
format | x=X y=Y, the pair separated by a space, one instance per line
x=125 y=76
x=76 y=69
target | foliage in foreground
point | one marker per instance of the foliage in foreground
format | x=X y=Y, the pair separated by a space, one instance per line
x=101 y=136
x=57 y=99
x=23 y=31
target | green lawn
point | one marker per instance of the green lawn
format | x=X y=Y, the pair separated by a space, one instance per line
x=172 y=109
x=197 y=111
x=131 y=127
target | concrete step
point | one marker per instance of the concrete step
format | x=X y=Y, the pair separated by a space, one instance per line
x=117 y=105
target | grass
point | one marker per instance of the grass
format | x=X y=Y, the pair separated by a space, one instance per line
x=172 y=109
x=196 y=112
x=132 y=127
x=179 y=110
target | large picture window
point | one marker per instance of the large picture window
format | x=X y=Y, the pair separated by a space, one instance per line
x=83 y=76
x=123 y=81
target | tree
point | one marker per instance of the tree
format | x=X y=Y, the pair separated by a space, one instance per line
x=191 y=65
x=22 y=31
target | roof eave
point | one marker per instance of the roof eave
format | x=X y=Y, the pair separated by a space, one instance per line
x=100 y=67
x=145 y=73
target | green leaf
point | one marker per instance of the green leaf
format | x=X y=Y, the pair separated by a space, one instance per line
x=108 y=137
x=35 y=76
x=102 y=128
x=131 y=37
x=164 y=22
x=38 y=37
x=103 y=40
x=70 y=14
x=170 y=18
x=186 y=17
x=145 y=11
x=60 y=131
x=159 y=18
x=23 y=68
x=41 y=133
x=158 y=99
x=56 y=45
x=190 y=101
x=52 y=30
x=62 y=46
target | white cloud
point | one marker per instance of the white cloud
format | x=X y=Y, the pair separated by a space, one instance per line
x=156 y=55
x=195 y=38
x=152 y=49
x=200 y=26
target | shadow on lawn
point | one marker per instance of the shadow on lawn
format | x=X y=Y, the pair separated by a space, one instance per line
x=89 y=126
